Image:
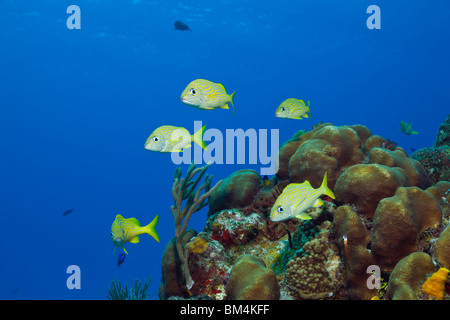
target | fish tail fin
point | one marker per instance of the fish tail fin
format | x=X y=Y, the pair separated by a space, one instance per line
x=414 y=132
x=151 y=228
x=198 y=138
x=231 y=100
x=327 y=191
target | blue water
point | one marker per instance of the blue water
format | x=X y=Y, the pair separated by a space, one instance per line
x=76 y=107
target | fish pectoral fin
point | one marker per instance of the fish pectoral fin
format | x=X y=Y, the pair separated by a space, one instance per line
x=135 y=239
x=303 y=216
x=124 y=250
x=318 y=203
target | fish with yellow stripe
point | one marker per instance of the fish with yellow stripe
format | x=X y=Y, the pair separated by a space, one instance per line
x=293 y=109
x=207 y=95
x=128 y=230
x=173 y=139
x=296 y=198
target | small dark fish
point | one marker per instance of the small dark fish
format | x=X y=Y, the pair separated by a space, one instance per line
x=181 y=26
x=67 y=212
x=120 y=260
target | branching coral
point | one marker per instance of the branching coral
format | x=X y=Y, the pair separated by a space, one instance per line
x=184 y=189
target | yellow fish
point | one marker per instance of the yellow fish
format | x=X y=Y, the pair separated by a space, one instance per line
x=206 y=95
x=296 y=198
x=173 y=139
x=293 y=109
x=128 y=230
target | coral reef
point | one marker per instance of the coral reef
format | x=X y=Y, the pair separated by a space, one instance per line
x=407 y=276
x=443 y=136
x=184 y=189
x=398 y=223
x=442 y=248
x=436 y=162
x=250 y=279
x=237 y=191
x=308 y=273
x=364 y=185
x=172 y=274
x=138 y=292
x=391 y=213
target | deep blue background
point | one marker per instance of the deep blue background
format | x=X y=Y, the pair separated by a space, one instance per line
x=76 y=107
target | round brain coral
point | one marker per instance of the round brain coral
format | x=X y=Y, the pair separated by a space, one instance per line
x=364 y=185
x=251 y=280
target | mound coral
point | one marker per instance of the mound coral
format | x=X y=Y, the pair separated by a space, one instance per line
x=330 y=149
x=398 y=222
x=353 y=239
x=399 y=158
x=236 y=191
x=364 y=185
x=250 y=279
x=407 y=276
x=442 y=248
x=435 y=284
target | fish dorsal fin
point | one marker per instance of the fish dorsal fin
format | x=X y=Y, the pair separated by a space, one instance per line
x=221 y=86
x=306 y=184
x=134 y=221
x=291 y=187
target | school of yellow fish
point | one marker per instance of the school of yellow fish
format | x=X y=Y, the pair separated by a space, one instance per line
x=207 y=95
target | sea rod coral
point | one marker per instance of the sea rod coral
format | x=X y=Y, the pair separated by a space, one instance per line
x=184 y=189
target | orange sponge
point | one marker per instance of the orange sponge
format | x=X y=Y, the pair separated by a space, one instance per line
x=435 y=284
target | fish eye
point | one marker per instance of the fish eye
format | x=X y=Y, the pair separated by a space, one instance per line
x=283 y=109
x=280 y=209
x=155 y=139
x=111 y=234
x=193 y=91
